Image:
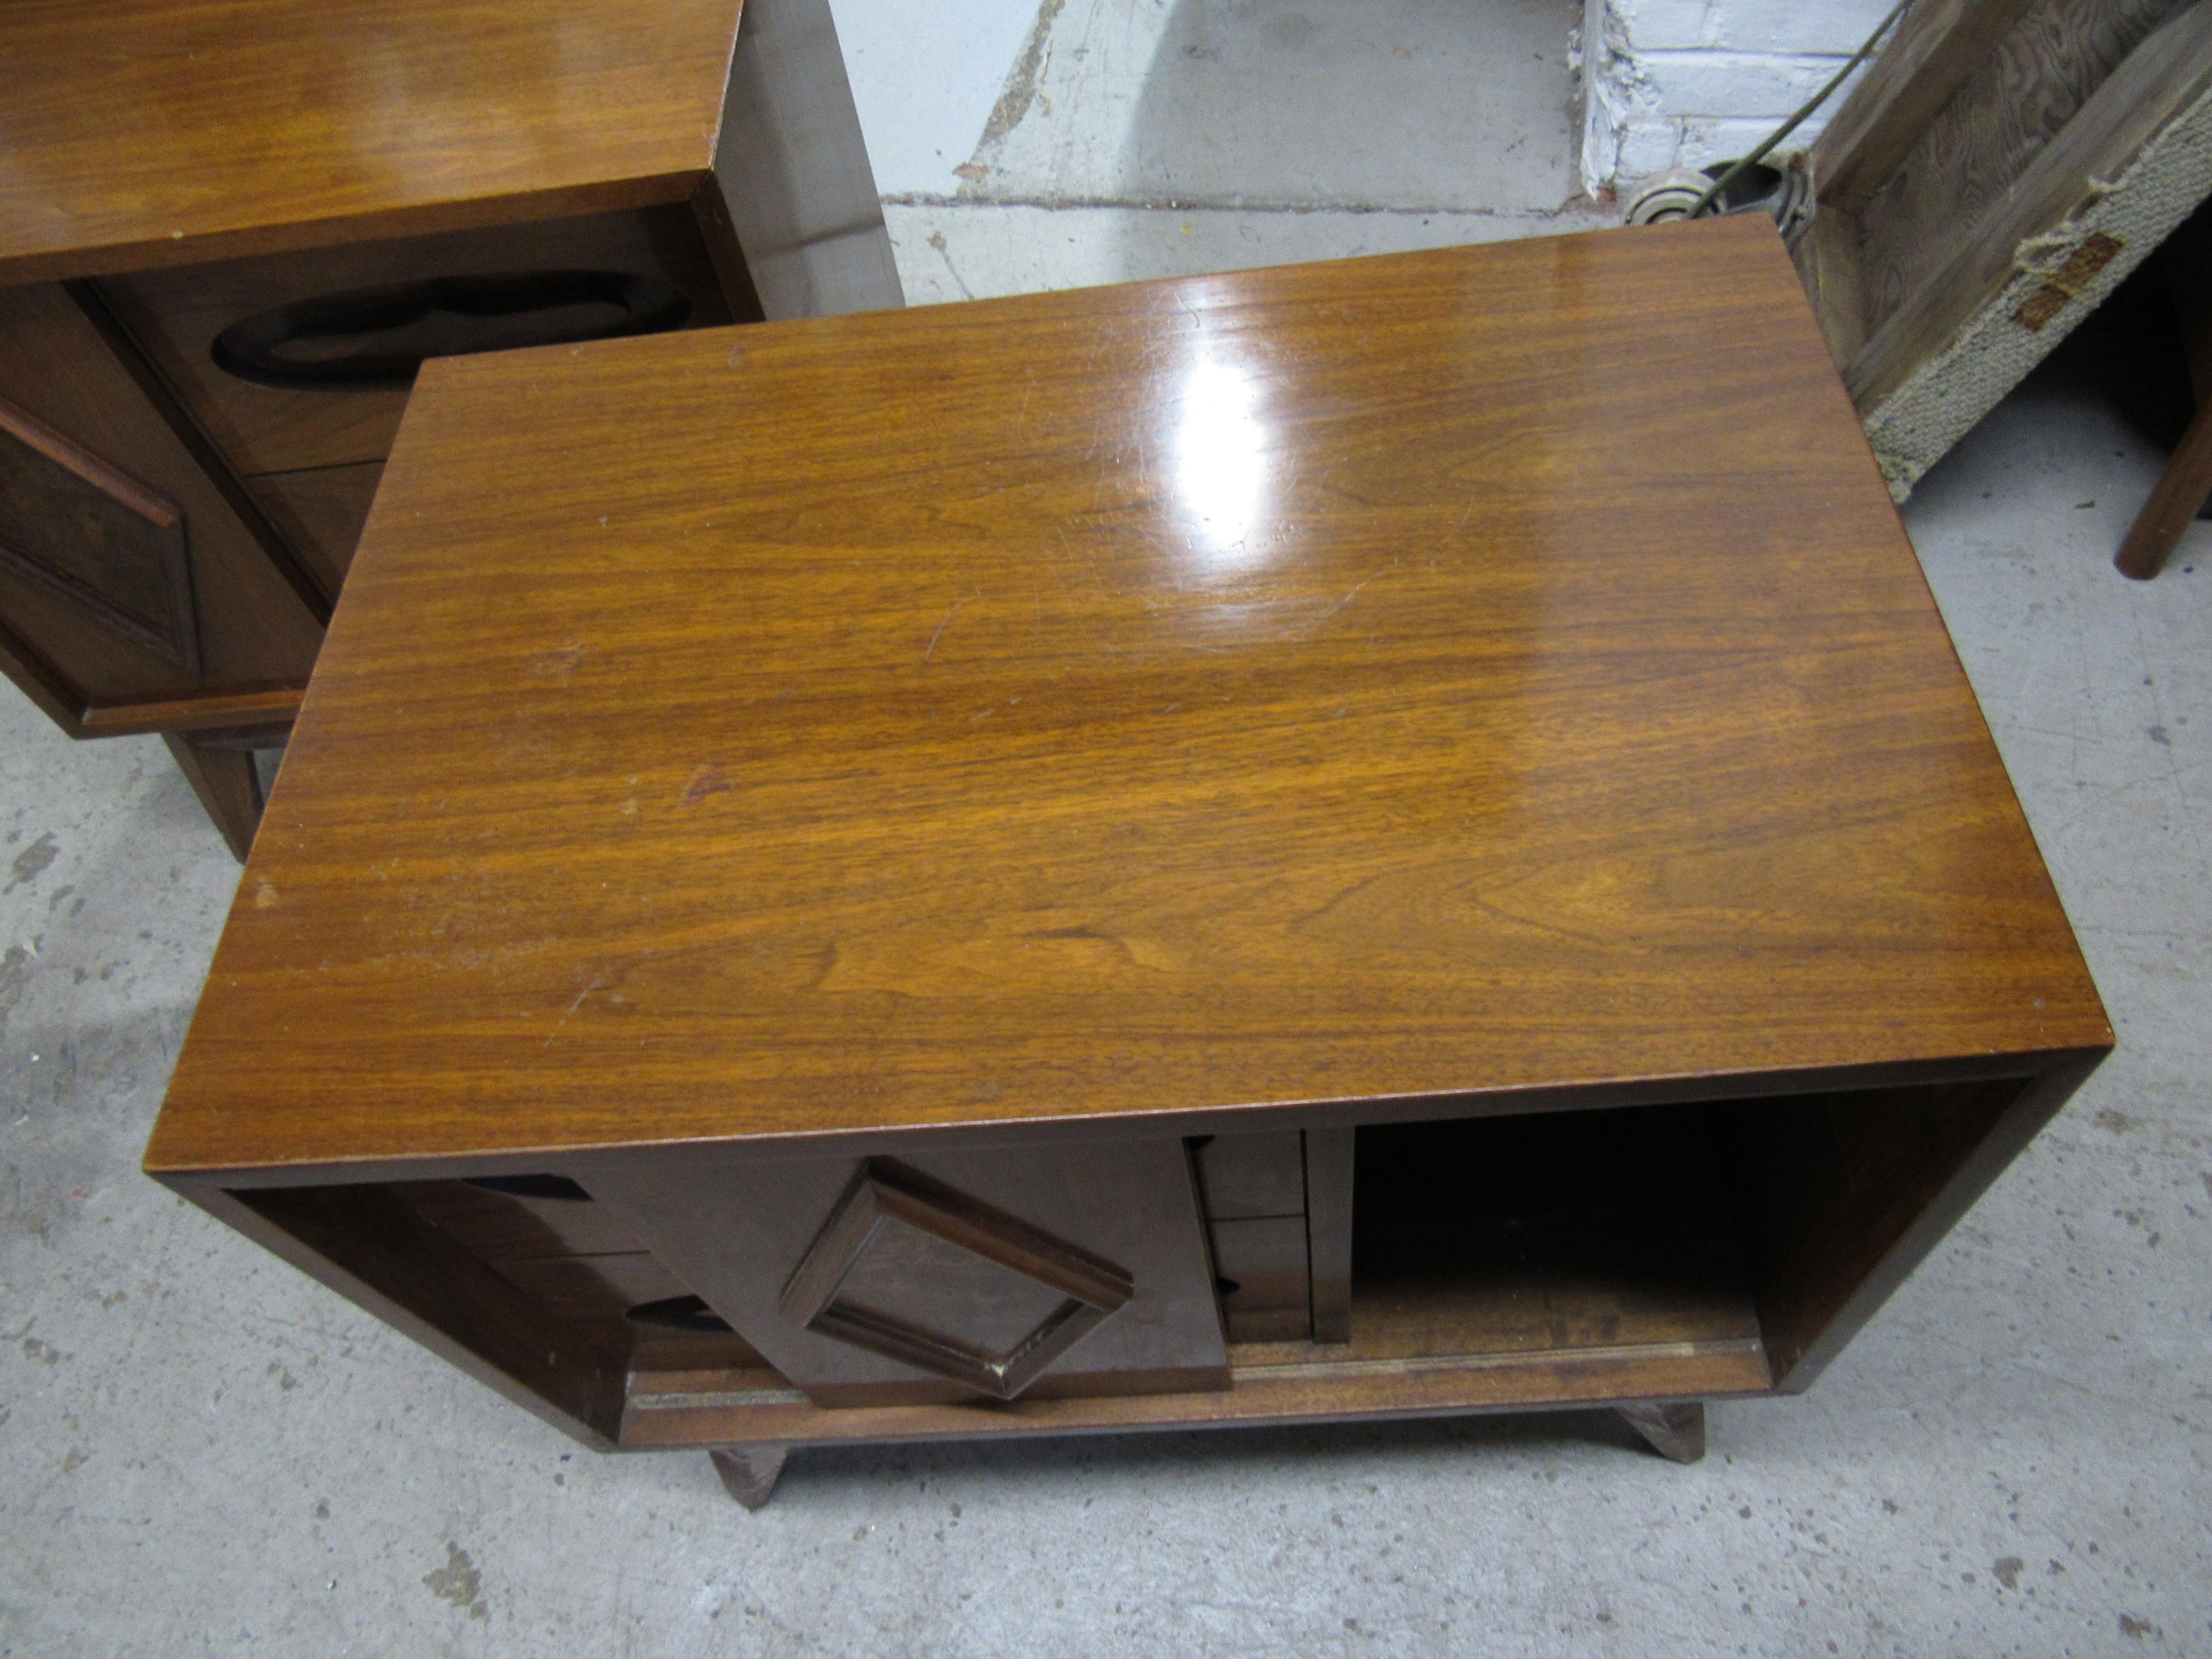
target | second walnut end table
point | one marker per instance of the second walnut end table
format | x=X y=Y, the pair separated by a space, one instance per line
x=229 y=231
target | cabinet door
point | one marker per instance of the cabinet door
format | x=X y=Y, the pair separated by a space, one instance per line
x=943 y=1276
x=124 y=571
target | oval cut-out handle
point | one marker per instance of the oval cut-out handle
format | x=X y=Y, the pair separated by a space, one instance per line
x=379 y=336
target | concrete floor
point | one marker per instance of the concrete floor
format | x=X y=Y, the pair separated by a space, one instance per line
x=202 y=1452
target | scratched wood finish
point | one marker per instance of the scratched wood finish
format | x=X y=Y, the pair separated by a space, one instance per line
x=1439 y=675
x=259 y=124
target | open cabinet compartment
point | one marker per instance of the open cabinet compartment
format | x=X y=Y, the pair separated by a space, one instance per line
x=1726 y=1229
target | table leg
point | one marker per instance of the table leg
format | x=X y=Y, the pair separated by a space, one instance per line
x=2180 y=492
x=751 y=1472
x=228 y=785
x=1675 y=1431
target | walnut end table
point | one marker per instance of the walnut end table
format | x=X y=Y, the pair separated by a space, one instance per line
x=1393 y=837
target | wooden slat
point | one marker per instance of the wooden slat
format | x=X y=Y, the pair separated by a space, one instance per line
x=228 y=784
x=1938 y=46
x=1956 y=175
x=2160 y=78
x=675 y=1409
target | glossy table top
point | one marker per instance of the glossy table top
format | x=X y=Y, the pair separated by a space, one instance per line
x=143 y=132
x=1476 y=671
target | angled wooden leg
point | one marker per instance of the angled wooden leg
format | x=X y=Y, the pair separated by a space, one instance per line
x=2174 y=500
x=751 y=1472
x=1677 y=1431
x=228 y=785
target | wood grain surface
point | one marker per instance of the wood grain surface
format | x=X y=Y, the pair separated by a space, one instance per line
x=1974 y=150
x=1419 y=679
x=1938 y=46
x=709 y=1407
x=321 y=511
x=147 y=132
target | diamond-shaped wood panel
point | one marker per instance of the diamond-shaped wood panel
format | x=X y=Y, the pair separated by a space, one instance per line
x=909 y=1268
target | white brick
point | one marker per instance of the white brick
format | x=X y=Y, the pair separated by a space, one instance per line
x=1808 y=26
x=1647 y=147
x=1733 y=84
x=1683 y=82
x=1648 y=25
x=1706 y=141
x=1822 y=26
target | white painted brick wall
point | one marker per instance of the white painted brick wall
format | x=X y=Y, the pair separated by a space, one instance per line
x=1683 y=82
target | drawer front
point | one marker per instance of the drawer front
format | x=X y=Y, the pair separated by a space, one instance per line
x=338 y=326
x=124 y=571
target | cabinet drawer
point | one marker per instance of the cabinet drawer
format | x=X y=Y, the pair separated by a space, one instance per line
x=337 y=319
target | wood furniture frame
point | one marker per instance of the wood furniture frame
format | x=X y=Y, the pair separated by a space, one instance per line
x=2001 y=167
x=212 y=216
x=1359 y=774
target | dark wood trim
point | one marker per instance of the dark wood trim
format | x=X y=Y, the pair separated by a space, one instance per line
x=42 y=682
x=1677 y=1431
x=101 y=474
x=216 y=708
x=750 y=1473
x=2174 y=502
x=180 y=647
x=206 y=454
x=885 y=1191
x=229 y=785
